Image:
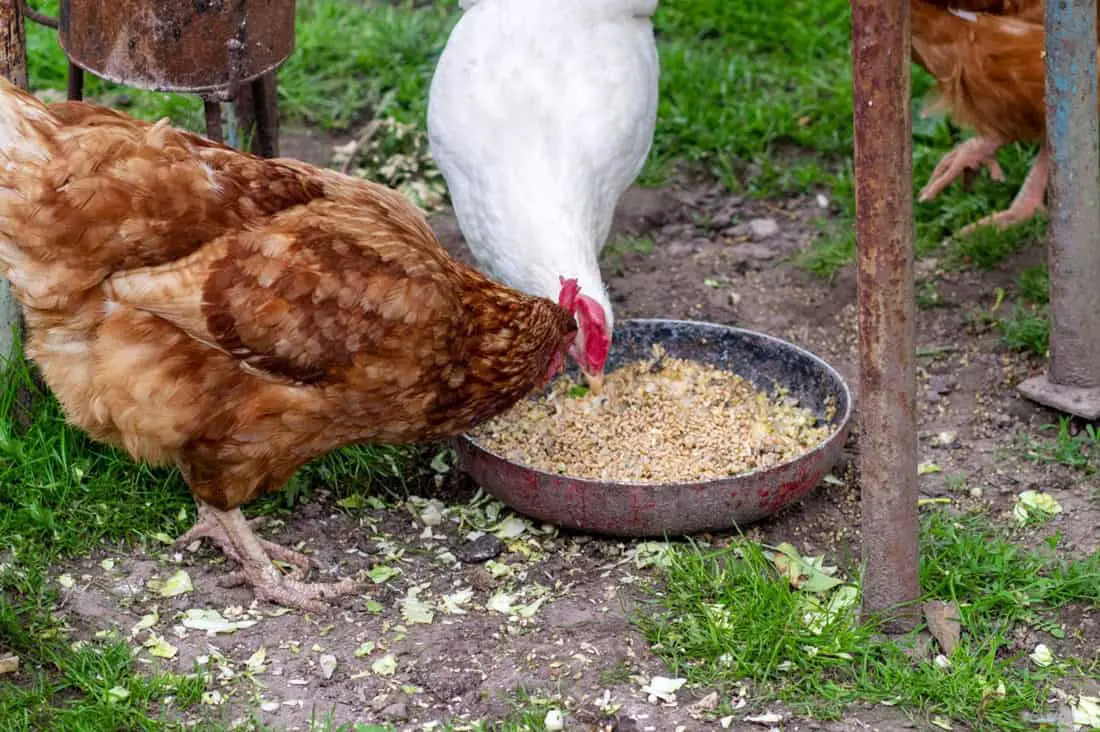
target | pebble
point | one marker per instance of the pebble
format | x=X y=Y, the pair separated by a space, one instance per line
x=397 y=710
x=481 y=549
x=763 y=228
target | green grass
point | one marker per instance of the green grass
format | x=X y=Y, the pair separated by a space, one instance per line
x=62 y=495
x=1075 y=446
x=1026 y=327
x=723 y=617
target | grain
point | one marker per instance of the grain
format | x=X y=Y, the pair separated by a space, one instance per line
x=657 y=421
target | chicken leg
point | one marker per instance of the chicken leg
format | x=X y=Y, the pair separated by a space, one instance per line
x=1028 y=201
x=968 y=156
x=232 y=533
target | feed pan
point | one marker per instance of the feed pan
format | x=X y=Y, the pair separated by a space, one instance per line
x=657 y=509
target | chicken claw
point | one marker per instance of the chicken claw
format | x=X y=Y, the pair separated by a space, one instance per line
x=231 y=531
x=967 y=156
x=208 y=527
x=1028 y=201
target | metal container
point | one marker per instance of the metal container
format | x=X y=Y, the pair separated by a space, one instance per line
x=657 y=509
x=198 y=46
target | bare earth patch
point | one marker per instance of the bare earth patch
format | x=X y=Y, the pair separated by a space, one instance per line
x=440 y=638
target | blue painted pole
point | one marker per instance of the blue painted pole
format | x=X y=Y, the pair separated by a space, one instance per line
x=1074 y=244
x=1072 y=382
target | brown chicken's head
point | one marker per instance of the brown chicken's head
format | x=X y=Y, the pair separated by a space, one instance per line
x=593 y=343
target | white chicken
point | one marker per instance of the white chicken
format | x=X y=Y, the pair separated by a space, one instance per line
x=540 y=116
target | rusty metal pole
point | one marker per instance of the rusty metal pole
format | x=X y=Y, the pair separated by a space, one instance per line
x=1073 y=251
x=887 y=299
x=13 y=66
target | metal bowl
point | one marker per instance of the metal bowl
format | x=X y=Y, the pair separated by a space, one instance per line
x=660 y=509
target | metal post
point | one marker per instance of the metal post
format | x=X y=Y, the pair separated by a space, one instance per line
x=13 y=66
x=887 y=343
x=1073 y=252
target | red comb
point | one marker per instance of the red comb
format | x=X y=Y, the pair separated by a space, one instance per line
x=567 y=298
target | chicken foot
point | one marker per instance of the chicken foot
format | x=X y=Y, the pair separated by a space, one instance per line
x=231 y=531
x=1028 y=202
x=208 y=527
x=967 y=157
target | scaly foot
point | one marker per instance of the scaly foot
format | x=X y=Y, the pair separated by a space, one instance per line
x=1028 y=202
x=967 y=157
x=208 y=527
x=231 y=531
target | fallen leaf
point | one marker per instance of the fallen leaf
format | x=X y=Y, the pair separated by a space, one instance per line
x=942 y=722
x=159 y=647
x=117 y=693
x=452 y=603
x=511 y=528
x=553 y=722
x=146 y=622
x=1086 y=712
x=212 y=698
x=415 y=610
x=432 y=515
x=352 y=502
x=1035 y=504
x=663 y=687
x=9 y=664
x=66 y=581
x=497 y=569
x=707 y=703
x=926 y=468
x=380 y=573
x=374 y=607
x=328 y=665
x=365 y=649
x=177 y=584
x=1042 y=655
x=212 y=622
x=500 y=602
x=385 y=666
x=529 y=610
x=255 y=662
x=765 y=718
x=943 y=623
x=108 y=564
x=652 y=554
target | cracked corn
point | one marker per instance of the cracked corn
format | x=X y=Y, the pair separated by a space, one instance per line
x=657 y=421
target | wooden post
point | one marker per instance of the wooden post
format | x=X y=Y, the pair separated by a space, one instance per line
x=13 y=66
x=256 y=109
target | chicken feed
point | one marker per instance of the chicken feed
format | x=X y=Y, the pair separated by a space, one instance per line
x=662 y=420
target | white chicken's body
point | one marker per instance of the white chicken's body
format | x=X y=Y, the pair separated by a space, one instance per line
x=540 y=116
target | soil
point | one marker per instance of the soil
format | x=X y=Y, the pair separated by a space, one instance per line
x=708 y=261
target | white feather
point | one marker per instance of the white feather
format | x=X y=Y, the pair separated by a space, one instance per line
x=540 y=116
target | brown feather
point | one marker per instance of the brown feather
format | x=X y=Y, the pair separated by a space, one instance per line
x=239 y=316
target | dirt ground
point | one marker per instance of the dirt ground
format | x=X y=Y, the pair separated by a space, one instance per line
x=577 y=645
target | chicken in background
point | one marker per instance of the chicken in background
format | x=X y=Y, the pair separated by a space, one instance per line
x=987 y=59
x=540 y=116
x=238 y=317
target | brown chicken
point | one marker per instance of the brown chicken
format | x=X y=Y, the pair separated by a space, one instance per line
x=990 y=75
x=238 y=317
